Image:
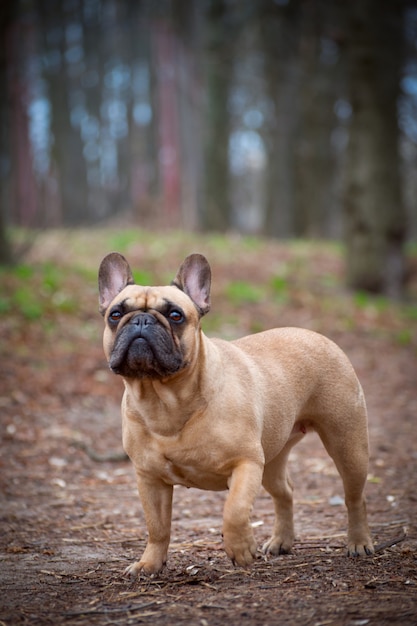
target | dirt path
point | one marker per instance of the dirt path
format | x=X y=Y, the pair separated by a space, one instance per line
x=71 y=524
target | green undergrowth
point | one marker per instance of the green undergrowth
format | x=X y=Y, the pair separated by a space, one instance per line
x=35 y=291
x=256 y=282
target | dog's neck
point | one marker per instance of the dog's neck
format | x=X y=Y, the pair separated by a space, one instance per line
x=159 y=404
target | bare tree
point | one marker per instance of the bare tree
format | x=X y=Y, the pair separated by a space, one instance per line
x=321 y=78
x=216 y=202
x=6 y=15
x=278 y=25
x=375 y=216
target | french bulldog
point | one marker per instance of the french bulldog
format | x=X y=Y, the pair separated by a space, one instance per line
x=220 y=415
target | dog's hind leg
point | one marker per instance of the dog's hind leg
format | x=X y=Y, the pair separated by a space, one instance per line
x=348 y=447
x=278 y=483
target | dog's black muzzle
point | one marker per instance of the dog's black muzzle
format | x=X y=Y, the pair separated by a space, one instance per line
x=145 y=348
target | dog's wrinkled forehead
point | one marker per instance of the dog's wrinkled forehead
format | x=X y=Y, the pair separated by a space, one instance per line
x=139 y=298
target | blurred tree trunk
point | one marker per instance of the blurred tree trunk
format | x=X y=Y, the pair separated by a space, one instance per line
x=165 y=46
x=142 y=134
x=67 y=151
x=216 y=201
x=189 y=18
x=319 y=60
x=277 y=41
x=6 y=14
x=375 y=216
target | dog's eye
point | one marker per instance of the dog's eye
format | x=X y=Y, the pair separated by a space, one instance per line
x=115 y=316
x=176 y=316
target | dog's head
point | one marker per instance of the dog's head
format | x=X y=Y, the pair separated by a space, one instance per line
x=152 y=332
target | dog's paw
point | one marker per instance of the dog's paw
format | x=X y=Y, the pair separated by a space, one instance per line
x=360 y=549
x=141 y=567
x=277 y=545
x=241 y=552
x=152 y=561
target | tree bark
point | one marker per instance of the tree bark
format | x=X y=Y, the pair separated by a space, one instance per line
x=278 y=27
x=374 y=212
x=216 y=201
x=320 y=75
x=6 y=15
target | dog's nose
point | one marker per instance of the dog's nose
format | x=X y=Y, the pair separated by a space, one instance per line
x=143 y=320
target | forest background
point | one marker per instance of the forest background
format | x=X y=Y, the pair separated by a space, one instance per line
x=278 y=138
x=286 y=118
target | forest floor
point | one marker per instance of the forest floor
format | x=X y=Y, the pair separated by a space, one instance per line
x=71 y=522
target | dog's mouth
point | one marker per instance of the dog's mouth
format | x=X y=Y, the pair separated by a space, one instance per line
x=139 y=340
x=131 y=353
x=150 y=354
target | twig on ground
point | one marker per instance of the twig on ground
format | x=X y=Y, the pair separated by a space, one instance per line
x=392 y=542
x=106 y=611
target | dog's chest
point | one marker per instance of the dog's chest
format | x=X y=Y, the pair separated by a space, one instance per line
x=180 y=463
x=190 y=476
x=192 y=468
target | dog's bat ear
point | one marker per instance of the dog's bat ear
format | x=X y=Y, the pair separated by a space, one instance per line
x=194 y=278
x=113 y=276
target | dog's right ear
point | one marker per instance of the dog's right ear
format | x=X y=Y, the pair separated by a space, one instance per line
x=113 y=276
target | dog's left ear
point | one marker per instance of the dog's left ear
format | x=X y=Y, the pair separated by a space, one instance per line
x=194 y=278
x=113 y=276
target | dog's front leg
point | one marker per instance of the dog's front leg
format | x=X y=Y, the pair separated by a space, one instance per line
x=156 y=498
x=244 y=486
